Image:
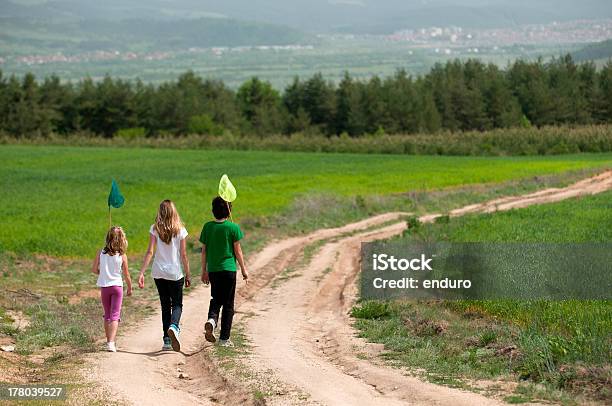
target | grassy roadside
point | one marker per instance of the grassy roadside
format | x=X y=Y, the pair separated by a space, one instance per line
x=551 y=350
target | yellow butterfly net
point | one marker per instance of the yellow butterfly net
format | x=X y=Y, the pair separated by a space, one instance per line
x=227 y=191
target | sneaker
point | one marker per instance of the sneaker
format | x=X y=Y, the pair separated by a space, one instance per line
x=226 y=343
x=174 y=332
x=209 y=331
x=110 y=347
x=167 y=344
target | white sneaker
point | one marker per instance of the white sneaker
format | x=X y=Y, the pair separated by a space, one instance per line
x=209 y=331
x=110 y=347
x=226 y=343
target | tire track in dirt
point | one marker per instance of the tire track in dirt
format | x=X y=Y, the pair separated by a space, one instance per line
x=316 y=307
x=303 y=330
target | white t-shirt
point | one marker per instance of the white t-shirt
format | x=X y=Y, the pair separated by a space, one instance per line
x=110 y=270
x=167 y=262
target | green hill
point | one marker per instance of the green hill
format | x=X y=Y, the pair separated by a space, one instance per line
x=596 y=51
x=354 y=16
x=34 y=26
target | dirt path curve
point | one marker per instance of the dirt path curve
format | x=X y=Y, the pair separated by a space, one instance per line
x=303 y=330
x=300 y=333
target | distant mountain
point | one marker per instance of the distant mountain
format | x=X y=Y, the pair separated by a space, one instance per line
x=324 y=15
x=144 y=35
x=597 y=51
x=57 y=26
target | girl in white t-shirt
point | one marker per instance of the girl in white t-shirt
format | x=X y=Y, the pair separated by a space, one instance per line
x=109 y=264
x=167 y=240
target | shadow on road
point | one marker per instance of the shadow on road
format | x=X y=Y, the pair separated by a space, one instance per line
x=160 y=352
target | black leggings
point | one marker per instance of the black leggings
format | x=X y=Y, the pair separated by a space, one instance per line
x=222 y=291
x=171 y=300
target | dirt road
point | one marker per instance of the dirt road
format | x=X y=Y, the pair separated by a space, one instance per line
x=299 y=329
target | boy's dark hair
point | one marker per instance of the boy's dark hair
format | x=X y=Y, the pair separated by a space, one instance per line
x=221 y=208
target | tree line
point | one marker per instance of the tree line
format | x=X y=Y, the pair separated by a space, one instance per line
x=455 y=96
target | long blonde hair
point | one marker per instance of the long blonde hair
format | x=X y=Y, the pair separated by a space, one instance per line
x=116 y=242
x=168 y=223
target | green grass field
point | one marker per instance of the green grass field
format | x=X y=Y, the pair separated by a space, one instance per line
x=564 y=344
x=587 y=219
x=54 y=204
x=53 y=199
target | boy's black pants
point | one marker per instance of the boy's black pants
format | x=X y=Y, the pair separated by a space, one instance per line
x=171 y=300
x=222 y=291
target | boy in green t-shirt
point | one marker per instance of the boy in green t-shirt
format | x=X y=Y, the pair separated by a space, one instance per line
x=220 y=249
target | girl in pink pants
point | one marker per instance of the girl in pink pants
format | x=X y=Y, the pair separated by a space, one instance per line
x=109 y=264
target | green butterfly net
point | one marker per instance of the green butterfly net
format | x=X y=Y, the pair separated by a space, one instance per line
x=115 y=198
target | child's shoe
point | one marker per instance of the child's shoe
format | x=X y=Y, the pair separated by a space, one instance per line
x=167 y=344
x=209 y=328
x=226 y=343
x=174 y=332
x=110 y=347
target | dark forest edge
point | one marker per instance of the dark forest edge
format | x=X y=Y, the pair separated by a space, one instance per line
x=548 y=140
x=459 y=96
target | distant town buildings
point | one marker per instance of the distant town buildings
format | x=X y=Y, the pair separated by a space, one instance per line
x=572 y=32
x=90 y=56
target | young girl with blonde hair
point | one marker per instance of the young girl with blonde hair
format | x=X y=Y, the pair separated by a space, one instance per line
x=109 y=263
x=167 y=240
